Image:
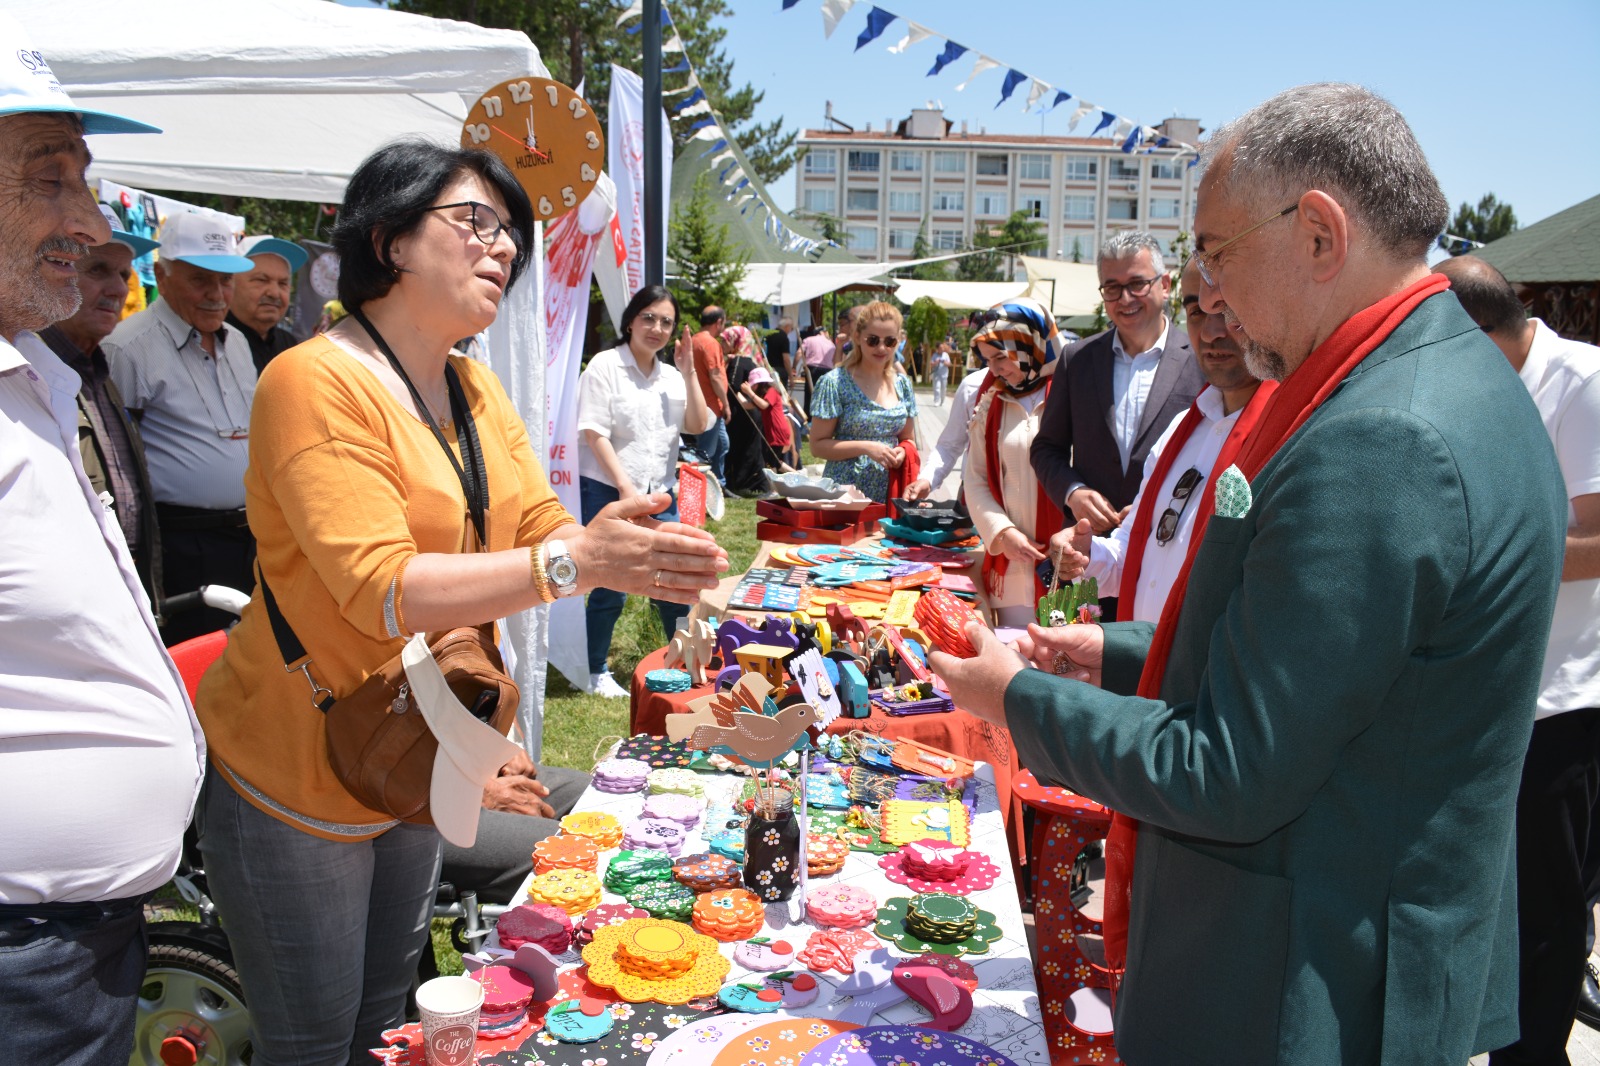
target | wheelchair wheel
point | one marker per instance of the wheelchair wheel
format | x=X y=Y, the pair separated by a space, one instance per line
x=191 y=1009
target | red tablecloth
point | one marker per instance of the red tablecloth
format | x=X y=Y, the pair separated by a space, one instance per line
x=956 y=731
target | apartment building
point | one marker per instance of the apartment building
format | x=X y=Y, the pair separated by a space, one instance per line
x=885 y=184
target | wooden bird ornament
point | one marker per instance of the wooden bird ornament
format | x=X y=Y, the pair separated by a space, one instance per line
x=749 y=725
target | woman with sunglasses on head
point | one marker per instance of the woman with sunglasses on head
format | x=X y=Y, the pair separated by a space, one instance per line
x=1019 y=342
x=392 y=490
x=632 y=413
x=864 y=413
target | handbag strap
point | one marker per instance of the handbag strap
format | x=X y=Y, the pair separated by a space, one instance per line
x=475 y=487
x=289 y=646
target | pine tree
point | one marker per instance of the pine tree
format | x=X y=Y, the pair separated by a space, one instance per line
x=709 y=263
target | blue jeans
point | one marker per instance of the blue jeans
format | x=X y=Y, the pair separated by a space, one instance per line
x=605 y=605
x=713 y=444
x=326 y=934
x=69 y=980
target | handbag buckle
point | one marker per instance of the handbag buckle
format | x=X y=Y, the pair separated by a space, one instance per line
x=319 y=695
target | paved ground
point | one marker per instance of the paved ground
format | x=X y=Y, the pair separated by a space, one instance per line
x=1584 y=1047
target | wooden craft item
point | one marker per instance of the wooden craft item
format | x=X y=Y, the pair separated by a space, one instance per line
x=547 y=136
x=844 y=623
x=764 y=659
x=836 y=949
x=905 y=821
x=647 y=959
x=915 y=757
x=758 y=739
x=735 y=633
x=900 y=608
x=944 y=619
x=936 y=992
x=891 y=636
x=810 y=674
x=533 y=960
x=691 y=649
x=853 y=692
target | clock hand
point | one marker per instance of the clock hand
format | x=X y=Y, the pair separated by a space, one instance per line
x=519 y=140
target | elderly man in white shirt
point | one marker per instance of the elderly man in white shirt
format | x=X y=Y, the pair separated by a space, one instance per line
x=100 y=755
x=1215 y=413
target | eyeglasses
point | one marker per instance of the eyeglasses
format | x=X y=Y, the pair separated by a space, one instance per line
x=1167 y=528
x=1113 y=291
x=1206 y=261
x=485 y=222
x=873 y=341
x=655 y=321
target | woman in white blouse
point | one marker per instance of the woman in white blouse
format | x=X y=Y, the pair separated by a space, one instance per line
x=632 y=412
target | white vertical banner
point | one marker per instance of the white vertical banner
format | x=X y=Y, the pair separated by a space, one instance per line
x=515 y=345
x=625 y=152
x=569 y=264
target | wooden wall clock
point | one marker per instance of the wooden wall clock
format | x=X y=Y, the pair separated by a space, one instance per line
x=547 y=134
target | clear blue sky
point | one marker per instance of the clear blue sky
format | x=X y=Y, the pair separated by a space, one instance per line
x=1505 y=97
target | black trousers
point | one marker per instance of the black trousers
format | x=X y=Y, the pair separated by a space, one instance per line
x=1558 y=860
x=192 y=556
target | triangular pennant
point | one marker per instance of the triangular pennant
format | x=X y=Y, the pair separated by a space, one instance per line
x=914 y=34
x=673 y=45
x=878 y=20
x=832 y=12
x=677 y=68
x=710 y=133
x=703 y=123
x=633 y=12
x=1106 y=119
x=1062 y=96
x=694 y=97
x=1133 y=139
x=1084 y=107
x=787 y=4
x=979 y=65
x=951 y=53
x=702 y=107
x=715 y=147
x=666 y=20
x=1036 y=92
x=1014 y=78
x=1121 y=129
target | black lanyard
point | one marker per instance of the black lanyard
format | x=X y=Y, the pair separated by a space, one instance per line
x=476 y=489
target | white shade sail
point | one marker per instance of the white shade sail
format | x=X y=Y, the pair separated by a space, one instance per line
x=959 y=295
x=1066 y=288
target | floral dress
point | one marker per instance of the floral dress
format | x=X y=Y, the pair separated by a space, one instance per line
x=859 y=418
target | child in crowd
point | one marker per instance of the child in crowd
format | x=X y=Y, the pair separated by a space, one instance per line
x=775 y=425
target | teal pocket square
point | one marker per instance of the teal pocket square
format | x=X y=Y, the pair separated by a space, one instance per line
x=1233 y=494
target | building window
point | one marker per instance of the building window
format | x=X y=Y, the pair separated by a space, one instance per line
x=946 y=240
x=905 y=203
x=1121 y=170
x=1164 y=208
x=905 y=162
x=1032 y=167
x=1031 y=206
x=1081 y=168
x=861 y=238
x=1080 y=249
x=949 y=163
x=1078 y=208
x=992 y=204
x=861 y=199
x=949 y=200
x=822 y=162
x=902 y=240
x=821 y=201
x=1163 y=171
x=1121 y=210
x=864 y=161
x=994 y=166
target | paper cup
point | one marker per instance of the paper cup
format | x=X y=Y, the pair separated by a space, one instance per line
x=449 y=1007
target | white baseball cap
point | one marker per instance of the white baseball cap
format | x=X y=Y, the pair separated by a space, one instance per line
x=28 y=84
x=140 y=245
x=288 y=251
x=191 y=237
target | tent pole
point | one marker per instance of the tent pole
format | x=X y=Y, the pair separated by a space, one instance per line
x=655 y=252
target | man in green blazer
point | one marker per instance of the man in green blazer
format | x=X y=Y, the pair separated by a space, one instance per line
x=1325 y=751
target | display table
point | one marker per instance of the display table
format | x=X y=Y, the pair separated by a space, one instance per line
x=1006 y=1010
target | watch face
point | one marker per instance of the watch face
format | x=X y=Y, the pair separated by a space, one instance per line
x=546 y=134
x=564 y=571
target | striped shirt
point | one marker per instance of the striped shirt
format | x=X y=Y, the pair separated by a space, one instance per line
x=196 y=409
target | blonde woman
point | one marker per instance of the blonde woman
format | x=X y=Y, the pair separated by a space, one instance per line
x=864 y=414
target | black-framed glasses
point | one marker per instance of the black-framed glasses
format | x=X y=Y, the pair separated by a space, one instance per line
x=1206 y=260
x=655 y=321
x=1112 y=291
x=1167 y=528
x=485 y=222
x=872 y=340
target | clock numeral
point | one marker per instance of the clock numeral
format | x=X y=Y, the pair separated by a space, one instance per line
x=586 y=172
x=521 y=92
x=592 y=140
x=546 y=208
x=493 y=106
x=555 y=96
x=575 y=105
x=568 y=197
x=479 y=132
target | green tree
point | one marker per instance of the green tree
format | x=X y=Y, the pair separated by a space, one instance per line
x=926 y=325
x=1021 y=234
x=828 y=227
x=921 y=249
x=1489 y=221
x=710 y=264
x=579 y=39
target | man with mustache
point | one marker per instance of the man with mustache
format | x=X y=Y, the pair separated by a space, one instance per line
x=1314 y=756
x=100 y=756
x=108 y=440
x=190 y=380
x=261 y=296
x=1140 y=559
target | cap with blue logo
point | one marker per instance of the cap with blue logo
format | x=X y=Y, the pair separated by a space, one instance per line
x=202 y=240
x=28 y=85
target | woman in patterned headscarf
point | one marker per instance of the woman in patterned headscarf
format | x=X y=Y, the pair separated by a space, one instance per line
x=1019 y=341
x=742 y=469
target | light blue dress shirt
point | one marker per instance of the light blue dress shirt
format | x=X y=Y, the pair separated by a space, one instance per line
x=1131 y=378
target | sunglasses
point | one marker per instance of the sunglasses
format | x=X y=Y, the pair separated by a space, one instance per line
x=872 y=340
x=1167 y=528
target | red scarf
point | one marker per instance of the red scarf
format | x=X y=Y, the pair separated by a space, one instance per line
x=1047 y=517
x=903 y=475
x=1291 y=404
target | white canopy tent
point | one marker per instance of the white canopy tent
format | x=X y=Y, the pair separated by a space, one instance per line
x=786 y=284
x=284 y=99
x=1066 y=288
x=959 y=295
x=279 y=98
